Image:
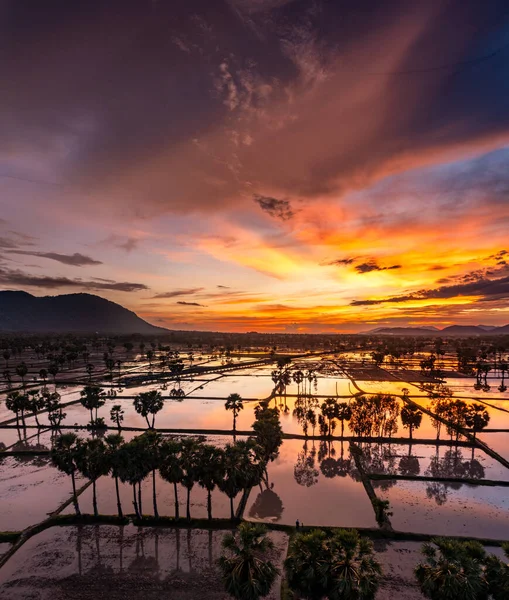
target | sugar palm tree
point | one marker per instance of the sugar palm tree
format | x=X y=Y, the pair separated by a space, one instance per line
x=497 y=575
x=170 y=467
x=210 y=471
x=232 y=482
x=355 y=574
x=114 y=442
x=504 y=367
x=117 y=415
x=343 y=413
x=21 y=371
x=151 y=441
x=452 y=570
x=63 y=457
x=149 y=403
x=190 y=458
x=234 y=403
x=92 y=397
x=36 y=402
x=131 y=469
x=92 y=460
x=247 y=575
x=339 y=566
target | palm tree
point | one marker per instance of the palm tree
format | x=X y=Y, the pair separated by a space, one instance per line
x=63 y=456
x=246 y=574
x=149 y=403
x=234 y=403
x=17 y=403
x=21 y=371
x=210 y=471
x=117 y=415
x=89 y=368
x=452 y=570
x=497 y=575
x=54 y=370
x=170 y=467
x=339 y=566
x=190 y=457
x=6 y=354
x=504 y=367
x=92 y=460
x=114 y=442
x=43 y=374
x=151 y=441
x=36 y=402
x=411 y=418
x=130 y=469
x=92 y=398
x=343 y=413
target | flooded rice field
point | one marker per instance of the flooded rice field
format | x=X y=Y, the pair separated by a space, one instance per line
x=328 y=472
x=122 y=562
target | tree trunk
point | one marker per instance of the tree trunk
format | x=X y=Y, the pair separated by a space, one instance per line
x=188 y=513
x=209 y=504
x=119 y=505
x=175 y=489
x=75 y=496
x=154 y=495
x=139 y=500
x=232 y=513
x=135 y=504
x=94 y=499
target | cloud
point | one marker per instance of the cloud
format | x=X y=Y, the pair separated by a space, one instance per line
x=20 y=279
x=75 y=260
x=176 y=293
x=340 y=262
x=372 y=265
x=181 y=302
x=129 y=245
x=223 y=287
x=279 y=209
x=485 y=288
x=366 y=266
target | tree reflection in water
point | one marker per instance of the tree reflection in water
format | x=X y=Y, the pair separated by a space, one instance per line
x=304 y=471
x=267 y=506
x=451 y=465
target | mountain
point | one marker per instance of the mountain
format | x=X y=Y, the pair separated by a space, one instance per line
x=451 y=331
x=464 y=330
x=78 y=313
x=403 y=331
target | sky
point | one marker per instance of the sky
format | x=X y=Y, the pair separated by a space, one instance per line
x=259 y=165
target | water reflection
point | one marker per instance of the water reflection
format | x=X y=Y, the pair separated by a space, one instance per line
x=451 y=465
x=267 y=506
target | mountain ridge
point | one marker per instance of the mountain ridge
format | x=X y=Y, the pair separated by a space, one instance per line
x=451 y=330
x=74 y=313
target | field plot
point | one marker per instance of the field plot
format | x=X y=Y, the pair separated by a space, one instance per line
x=120 y=562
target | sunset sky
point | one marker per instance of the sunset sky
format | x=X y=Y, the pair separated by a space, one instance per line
x=268 y=165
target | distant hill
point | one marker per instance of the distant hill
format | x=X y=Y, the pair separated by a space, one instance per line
x=403 y=331
x=452 y=330
x=78 y=313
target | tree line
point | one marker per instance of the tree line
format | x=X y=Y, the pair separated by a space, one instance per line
x=187 y=461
